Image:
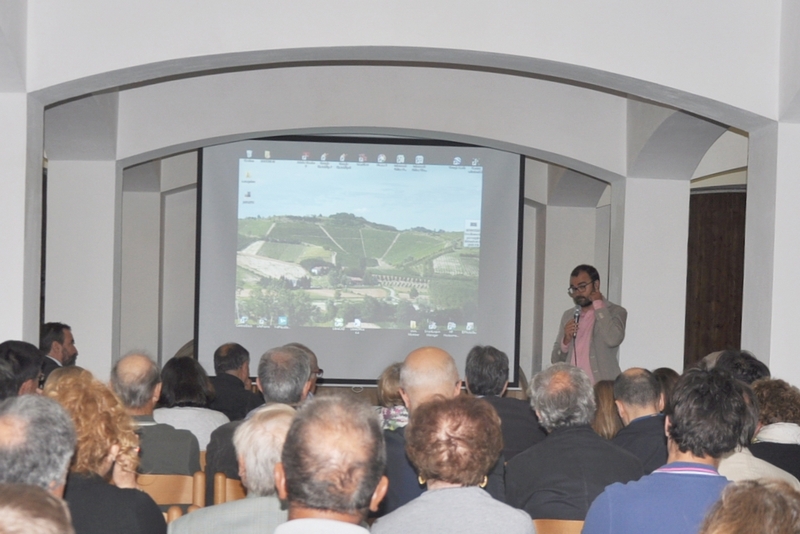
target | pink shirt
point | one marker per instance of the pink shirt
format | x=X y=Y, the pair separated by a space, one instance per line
x=583 y=340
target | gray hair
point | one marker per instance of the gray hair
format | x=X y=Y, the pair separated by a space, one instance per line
x=37 y=441
x=334 y=455
x=31 y=510
x=259 y=442
x=283 y=371
x=135 y=390
x=562 y=395
x=637 y=387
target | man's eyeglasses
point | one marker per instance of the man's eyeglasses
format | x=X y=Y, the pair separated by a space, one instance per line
x=579 y=288
x=318 y=374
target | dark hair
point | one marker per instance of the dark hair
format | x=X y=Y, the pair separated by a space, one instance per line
x=25 y=359
x=334 y=455
x=742 y=365
x=637 y=387
x=778 y=401
x=283 y=372
x=229 y=357
x=388 y=389
x=764 y=506
x=667 y=378
x=588 y=269
x=185 y=383
x=51 y=332
x=454 y=440
x=8 y=381
x=707 y=412
x=487 y=370
x=750 y=423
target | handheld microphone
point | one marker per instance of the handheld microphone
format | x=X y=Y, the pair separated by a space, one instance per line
x=577 y=317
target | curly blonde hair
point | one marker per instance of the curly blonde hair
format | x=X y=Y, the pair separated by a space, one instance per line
x=100 y=419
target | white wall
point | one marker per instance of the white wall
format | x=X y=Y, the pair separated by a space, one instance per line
x=654 y=267
x=139 y=282
x=83 y=200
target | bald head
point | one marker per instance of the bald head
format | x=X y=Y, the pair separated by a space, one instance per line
x=426 y=373
x=636 y=394
x=136 y=381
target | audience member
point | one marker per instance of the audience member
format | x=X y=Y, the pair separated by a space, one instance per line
x=283 y=378
x=32 y=510
x=561 y=476
x=667 y=378
x=742 y=365
x=426 y=373
x=740 y=464
x=331 y=469
x=58 y=345
x=165 y=450
x=704 y=420
x=37 y=441
x=258 y=442
x=766 y=507
x=606 y=421
x=316 y=372
x=486 y=376
x=636 y=394
x=232 y=383
x=185 y=393
x=186 y=350
x=26 y=364
x=709 y=361
x=393 y=413
x=107 y=449
x=454 y=443
x=778 y=440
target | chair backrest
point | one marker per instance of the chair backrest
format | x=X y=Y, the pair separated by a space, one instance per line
x=175 y=489
x=202 y=460
x=227 y=489
x=557 y=526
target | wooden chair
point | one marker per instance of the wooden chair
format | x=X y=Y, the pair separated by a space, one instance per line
x=175 y=489
x=557 y=526
x=202 y=461
x=227 y=489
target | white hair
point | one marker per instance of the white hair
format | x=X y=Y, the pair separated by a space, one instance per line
x=259 y=442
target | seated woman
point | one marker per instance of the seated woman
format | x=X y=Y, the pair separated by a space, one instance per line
x=391 y=409
x=764 y=506
x=606 y=421
x=453 y=444
x=185 y=394
x=101 y=486
x=778 y=440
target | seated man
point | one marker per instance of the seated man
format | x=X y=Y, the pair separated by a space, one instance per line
x=331 y=469
x=636 y=394
x=704 y=420
x=232 y=383
x=258 y=442
x=284 y=377
x=487 y=376
x=37 y=441
x=165 y=450
x=561 y=476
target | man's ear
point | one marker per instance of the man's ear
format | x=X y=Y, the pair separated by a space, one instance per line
x=379 y=494
x=306 y=389
x=667 y=425
x=505 y=388
x=280 y=481
x=457 y=390
x=156 y=393
x=621 y=410
x=406 y=400
x=242 y=470
x=466 y=385
x=258 y=385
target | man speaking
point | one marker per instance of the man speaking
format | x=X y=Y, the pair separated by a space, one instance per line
x=592 y=331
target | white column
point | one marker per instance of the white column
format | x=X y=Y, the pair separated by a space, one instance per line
x=20 y=216
x=782 y=356
x=656 y=229
x=83 y=202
